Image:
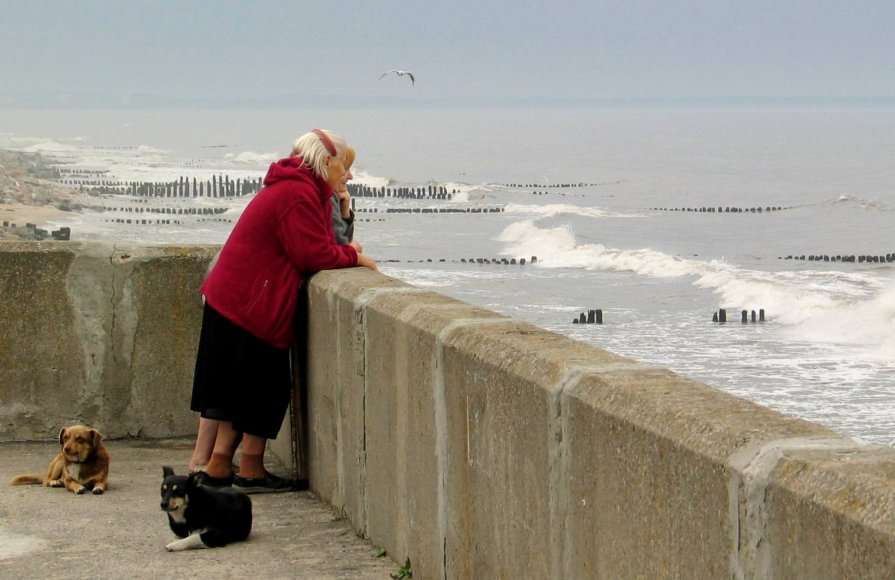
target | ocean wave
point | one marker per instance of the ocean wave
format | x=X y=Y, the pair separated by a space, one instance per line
x=50 y=147
x=251 y=158
x=861 y=202
x=817 y=306
x=557 y=248
x=466 y=193
x=148 y=149
x=438 y=278
x=363 y=177
x=868 y=323
x=554 y=210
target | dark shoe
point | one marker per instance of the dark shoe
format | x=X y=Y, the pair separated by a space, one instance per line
x=202 y=468
x=270 y=483
x=202 y=478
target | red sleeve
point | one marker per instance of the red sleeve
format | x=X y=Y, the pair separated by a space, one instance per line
x=307 y=235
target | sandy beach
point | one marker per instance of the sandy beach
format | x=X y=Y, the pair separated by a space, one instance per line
x=27 y=195
x=21 y=214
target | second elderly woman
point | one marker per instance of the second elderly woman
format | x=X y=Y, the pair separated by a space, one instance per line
x=242 y=376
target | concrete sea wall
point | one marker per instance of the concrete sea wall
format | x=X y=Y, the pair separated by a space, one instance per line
x=476 y=445
x=479 y=446
x=100 y=333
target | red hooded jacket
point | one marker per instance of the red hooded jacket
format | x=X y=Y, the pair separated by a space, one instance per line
x=284 y=232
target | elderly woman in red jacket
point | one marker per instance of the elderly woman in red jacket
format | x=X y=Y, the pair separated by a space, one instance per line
x=242 y=374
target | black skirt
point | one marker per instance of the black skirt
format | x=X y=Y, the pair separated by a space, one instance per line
x=240 y=378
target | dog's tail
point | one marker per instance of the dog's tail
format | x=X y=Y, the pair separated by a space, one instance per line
x=28 y=478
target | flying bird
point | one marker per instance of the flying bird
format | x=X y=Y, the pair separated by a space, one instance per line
x=400 y=73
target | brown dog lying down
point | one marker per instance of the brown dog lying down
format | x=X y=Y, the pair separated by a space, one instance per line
x=82 y=464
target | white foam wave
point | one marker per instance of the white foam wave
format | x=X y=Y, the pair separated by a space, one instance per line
x=465 y=193
x=556 y=248
x=251 y=158
x=148 y=149
x=363 y=177
x=868 y=323
x=436 y=278
x=854 y=200
x=51 y=147
x=816 y=306
x=553 y=210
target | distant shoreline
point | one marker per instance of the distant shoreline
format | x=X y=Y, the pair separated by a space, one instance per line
x=27 y=196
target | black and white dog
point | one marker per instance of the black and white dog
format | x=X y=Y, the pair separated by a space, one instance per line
x=203 y=516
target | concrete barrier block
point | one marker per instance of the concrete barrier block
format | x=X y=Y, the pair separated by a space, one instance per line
x=647 y=454
x=405 y=421
x=98 y=333
x=166 y=307
x=830 y=514
x=502 y=385
x=336 y=398
x=42 y=364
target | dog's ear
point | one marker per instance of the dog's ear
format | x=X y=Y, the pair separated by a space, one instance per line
x=95 y=437
x=167 y=471
x=62 y=435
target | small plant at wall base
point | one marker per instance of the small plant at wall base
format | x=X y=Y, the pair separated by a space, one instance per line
x=403 y=572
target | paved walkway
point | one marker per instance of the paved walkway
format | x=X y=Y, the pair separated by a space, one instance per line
x=48 y=532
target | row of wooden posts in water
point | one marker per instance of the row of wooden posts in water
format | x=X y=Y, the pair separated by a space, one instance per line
x=170 y=210
x=596 y=316
x=499 y=261
x=216 y=210
x=721 y=316
x=592 y=317
x=221 y=186
x=721 y=209
x=860 y=259
x=224 y=186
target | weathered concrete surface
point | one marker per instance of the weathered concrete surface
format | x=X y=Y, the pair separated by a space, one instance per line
x=53 y=533
x=646 y=457
x=492 y=448
x=98 y=332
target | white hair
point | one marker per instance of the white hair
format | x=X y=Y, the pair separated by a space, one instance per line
x=311 y=148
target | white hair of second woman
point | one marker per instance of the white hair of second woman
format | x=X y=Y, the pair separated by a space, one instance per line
x=312 y=150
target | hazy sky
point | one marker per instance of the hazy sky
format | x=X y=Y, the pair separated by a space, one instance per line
x=467 y=48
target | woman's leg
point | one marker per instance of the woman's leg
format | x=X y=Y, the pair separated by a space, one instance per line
x=205 y=438
x=225 y=444
x=252 y=464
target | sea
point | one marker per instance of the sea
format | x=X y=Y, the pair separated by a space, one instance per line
x=654 y=219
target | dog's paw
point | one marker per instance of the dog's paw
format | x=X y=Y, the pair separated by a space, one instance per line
x=55 y=483
x=80 y=489
x=188 y=543
x=98 y=491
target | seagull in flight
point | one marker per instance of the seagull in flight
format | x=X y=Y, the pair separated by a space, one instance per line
x=400 y=73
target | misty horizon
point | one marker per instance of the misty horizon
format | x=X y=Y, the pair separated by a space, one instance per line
x=63 y=100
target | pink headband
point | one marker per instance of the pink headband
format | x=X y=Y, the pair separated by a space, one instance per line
x=327 y=142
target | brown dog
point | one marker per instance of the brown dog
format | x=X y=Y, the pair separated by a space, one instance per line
x=82 y=464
